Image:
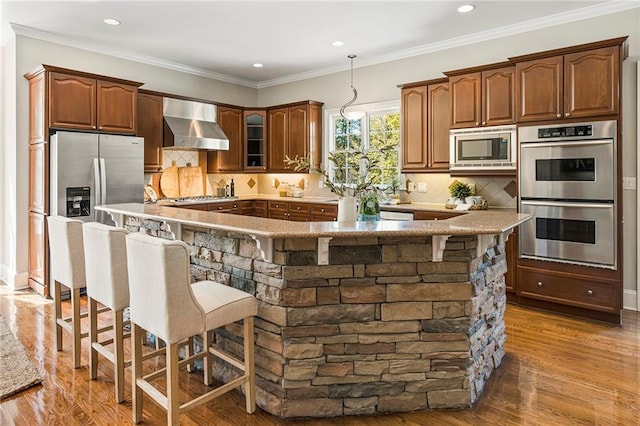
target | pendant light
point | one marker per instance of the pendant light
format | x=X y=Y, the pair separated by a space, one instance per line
x=355 y=96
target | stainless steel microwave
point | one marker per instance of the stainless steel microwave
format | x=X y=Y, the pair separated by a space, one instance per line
x=484 y=148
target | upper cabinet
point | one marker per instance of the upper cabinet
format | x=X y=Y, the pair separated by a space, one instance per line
x=574 y=84
x=231 y=160
x=425 y=126
x=150 y=128
x=482 y=97
x=255 y=140
x=294 y=130
x=85 y=102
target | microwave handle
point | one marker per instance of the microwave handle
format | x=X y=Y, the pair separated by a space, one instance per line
x=567 y=204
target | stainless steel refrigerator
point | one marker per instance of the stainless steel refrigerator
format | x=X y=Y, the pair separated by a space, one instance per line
x=89 y=169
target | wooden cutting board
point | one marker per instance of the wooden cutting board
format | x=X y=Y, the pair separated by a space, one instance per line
x=169 y=183
x=191 y=183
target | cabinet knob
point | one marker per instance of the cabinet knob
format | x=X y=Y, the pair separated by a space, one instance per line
x=93 y=127
x=484 y=123
x=297 y=208
x=322 y=210
x=559 y=115
x=477 y=123
x=589 y=292
x=539 y=283
x=566 y=114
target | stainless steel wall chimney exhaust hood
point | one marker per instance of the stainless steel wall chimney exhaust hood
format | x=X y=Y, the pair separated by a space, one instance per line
x=192 y=125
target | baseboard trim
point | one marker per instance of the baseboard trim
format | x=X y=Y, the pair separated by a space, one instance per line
x=15 y=281
x=630 y=300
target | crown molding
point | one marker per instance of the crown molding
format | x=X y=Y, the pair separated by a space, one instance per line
x=148 y=60
x=505 y=31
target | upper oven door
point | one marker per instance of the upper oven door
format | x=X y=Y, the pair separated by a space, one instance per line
x=577 y=170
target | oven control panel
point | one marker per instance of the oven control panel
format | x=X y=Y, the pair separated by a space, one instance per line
x=565 y=131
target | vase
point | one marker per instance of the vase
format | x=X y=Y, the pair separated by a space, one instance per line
x=369 y=207
x=347 y=211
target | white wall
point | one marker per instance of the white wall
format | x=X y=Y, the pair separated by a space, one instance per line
x=374 y=83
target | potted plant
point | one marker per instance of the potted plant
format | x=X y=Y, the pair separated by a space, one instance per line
x=363 y=186
x=459 y=191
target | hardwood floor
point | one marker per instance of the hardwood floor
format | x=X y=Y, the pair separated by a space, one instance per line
x=558 y=371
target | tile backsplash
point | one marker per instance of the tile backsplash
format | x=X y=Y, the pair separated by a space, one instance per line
x=181 y=157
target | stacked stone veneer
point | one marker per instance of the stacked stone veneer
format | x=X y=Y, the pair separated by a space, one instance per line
x=379 y=329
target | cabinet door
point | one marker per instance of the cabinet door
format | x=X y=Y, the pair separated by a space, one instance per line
x=278 y=131
x=38 y=253
x=414 y=128
x=255 y=143
x=498 y=97
x=278 y=210
x=465 y=100
x=117 y=107
x=591 y=82
x=231 y=122
x=298 y=132
x=539 y=89
x=438 y=127
x=72 y=102
x=323 y=213
x=150 y=128
x=38 y=178
x=260 y=208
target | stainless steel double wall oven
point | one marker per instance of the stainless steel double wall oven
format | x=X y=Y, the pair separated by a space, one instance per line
x=567 y=180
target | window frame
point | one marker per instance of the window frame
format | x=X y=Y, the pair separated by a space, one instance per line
x=332 y=114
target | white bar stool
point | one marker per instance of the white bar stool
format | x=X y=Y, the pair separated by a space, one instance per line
x=107 y=283
x=165 y=303
x=67 y=269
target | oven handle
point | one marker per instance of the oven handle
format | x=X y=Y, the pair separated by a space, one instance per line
x=566 y=204
x=565 y=144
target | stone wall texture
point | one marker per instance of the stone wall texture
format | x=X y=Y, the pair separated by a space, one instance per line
x=379 y=329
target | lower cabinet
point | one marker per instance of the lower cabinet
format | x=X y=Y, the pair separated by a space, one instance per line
x=427 y=215
x=324 y=212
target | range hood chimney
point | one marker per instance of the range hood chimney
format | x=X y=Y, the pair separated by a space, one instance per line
x=192 y=125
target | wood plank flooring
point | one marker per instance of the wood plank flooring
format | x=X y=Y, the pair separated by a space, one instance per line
x=557 y=371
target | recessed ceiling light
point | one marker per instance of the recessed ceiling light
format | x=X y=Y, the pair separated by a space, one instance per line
x=111 y=21
x=337 y=43
x=257 y=65
x=466 y=8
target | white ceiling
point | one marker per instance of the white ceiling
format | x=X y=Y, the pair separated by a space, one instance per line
x=222 y=39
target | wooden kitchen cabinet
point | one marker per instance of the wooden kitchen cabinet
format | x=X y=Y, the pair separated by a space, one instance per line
x=429 y=215
x=323 y=212
x=150 y=128
x=38 y=178
x=86 y=103
x=299 y=212
x=425 y=126
x=38 y=254
x=482 y=98
x=231 y=121
x=255 y=140
x=278 y=210
x=260 y=208
x=583 y=81
x=294 y=130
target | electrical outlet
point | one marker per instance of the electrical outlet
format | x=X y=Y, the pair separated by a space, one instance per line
x=273 y=183
x=629 y=183
x=422 y=186
x=473 y=188
x=411 y=186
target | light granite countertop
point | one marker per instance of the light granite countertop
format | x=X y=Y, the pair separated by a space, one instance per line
x=481 y=222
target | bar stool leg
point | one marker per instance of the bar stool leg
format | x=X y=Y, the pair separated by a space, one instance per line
x=136 y=371
x=75 y=321
x=250 y=386
x=190 y=351
x=173 y=402
x=118 y=352
x=93 y=338
x=208 y=359
x=58 y=311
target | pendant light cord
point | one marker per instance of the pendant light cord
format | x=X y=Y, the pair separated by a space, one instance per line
x=355 y=92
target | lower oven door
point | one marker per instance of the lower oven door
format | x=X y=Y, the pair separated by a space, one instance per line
x=572 y=232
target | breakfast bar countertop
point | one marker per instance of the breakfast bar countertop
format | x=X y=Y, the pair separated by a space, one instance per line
x=478 y=222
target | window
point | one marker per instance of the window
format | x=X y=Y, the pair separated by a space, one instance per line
x=377 y=128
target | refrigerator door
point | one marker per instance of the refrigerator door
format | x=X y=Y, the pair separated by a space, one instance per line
x=74 y=172
x=121 y=170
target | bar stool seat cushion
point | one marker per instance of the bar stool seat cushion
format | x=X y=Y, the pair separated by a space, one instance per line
x=223 y=304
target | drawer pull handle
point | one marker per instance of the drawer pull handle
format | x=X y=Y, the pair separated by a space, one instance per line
x=539 y=283
x=589 y=292
x=322 y=210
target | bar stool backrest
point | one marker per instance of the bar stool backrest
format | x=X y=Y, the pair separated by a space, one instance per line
x=161 y=300
x=67 y=251
x=105 y=253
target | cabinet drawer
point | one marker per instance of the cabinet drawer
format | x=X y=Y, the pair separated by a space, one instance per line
x=324 y=209
x=422 y=215
x=299 y=207
x=220 y=207
x=567 y=290
x=278 y=206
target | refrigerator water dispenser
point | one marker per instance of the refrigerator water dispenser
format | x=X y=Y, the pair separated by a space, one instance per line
x=78 y=201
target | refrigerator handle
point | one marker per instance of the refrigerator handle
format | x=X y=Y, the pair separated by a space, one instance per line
x=103 y=182
x=97 y=197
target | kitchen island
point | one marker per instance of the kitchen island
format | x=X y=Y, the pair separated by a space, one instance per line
x=355 y=318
